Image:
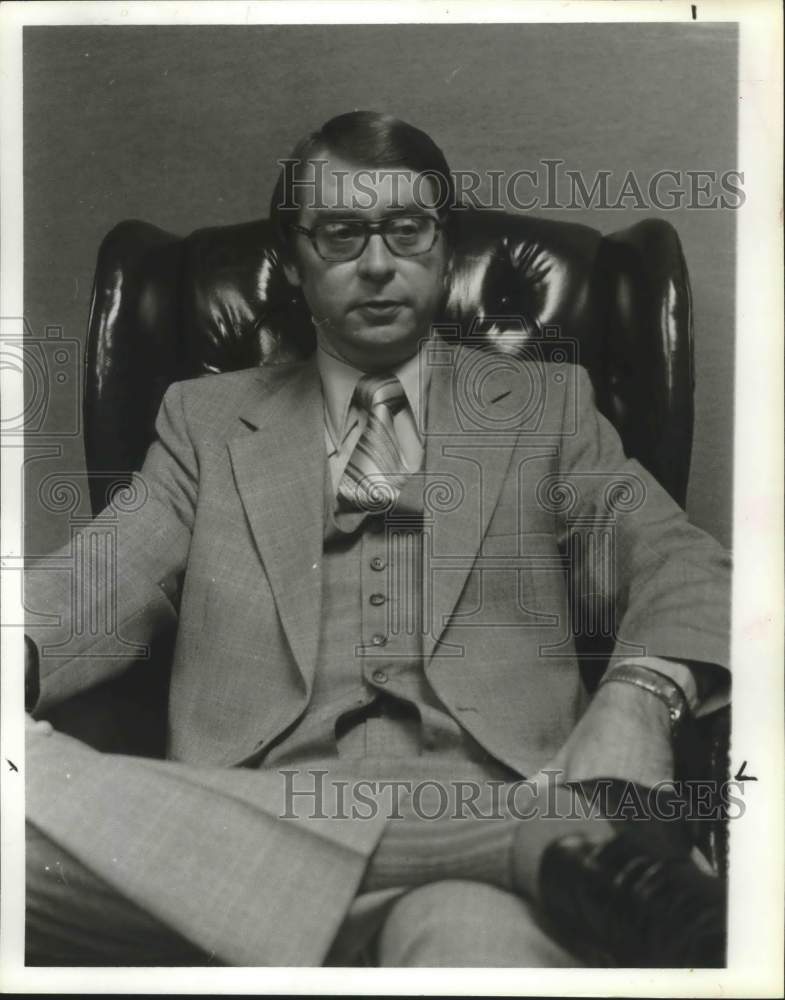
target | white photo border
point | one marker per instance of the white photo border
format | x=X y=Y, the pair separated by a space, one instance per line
x=756 y=879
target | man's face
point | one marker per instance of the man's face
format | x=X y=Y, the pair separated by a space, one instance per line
x=371 y=312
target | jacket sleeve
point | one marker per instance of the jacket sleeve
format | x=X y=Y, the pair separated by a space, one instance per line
x=668 y=582
x=94 y=605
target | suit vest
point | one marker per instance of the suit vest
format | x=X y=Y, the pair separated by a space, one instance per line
x=370 y=696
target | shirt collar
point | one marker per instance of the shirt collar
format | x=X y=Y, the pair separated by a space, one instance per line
x=339 y=380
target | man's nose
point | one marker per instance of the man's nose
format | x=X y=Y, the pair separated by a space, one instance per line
x=376 y=262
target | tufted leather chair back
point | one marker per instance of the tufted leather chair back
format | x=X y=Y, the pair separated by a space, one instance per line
x=166 y=308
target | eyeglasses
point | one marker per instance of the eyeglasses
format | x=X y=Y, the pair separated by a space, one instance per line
x=346 y=239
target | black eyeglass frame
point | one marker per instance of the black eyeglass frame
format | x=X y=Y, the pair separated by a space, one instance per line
x=369 y=229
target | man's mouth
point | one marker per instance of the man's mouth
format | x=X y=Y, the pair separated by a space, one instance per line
x=379 y=309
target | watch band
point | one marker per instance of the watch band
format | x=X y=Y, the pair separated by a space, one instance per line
x=662 y=687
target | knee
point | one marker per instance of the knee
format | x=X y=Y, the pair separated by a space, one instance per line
x=463 y=923
x=436 y=924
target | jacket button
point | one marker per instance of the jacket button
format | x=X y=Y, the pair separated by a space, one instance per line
x=380 y=676
x=378 y=563
x=377 y=599
x=379 y=639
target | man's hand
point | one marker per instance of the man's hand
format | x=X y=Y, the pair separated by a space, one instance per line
x=625 y=733
x=39 y=726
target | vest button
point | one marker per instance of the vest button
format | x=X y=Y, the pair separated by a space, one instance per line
x=380 y=676
x=378 y=639
x=378 y=563
x=377 y=599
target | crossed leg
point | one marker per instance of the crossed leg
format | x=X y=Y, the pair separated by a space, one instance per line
x=74 y=918
x=132 y=861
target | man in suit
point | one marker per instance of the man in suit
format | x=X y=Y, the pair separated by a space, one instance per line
x=373 y=546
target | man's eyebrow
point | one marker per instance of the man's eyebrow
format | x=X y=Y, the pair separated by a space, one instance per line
x=337 y=213
x=351 y=213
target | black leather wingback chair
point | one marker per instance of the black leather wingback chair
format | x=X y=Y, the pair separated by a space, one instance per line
x=166 y=308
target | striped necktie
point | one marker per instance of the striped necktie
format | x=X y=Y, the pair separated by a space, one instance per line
x=376 y=470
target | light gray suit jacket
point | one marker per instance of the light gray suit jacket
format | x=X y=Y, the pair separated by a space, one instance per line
x=522 y=475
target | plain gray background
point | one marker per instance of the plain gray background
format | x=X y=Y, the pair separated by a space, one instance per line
x=182 y=127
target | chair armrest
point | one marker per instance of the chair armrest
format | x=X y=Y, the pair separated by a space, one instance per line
x=702 y=757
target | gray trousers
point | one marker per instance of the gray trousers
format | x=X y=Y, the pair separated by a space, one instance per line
x=139 y=862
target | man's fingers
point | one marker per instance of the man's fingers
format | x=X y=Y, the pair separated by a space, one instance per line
x=40 y=726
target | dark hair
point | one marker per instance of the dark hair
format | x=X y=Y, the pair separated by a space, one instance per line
x=370 y=139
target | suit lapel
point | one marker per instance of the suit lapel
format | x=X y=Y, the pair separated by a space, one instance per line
x=460 y=444
x=279 y=468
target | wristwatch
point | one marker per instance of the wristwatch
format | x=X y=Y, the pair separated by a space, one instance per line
x=655 y=683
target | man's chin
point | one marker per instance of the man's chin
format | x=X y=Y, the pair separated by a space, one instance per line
x=383 y=346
